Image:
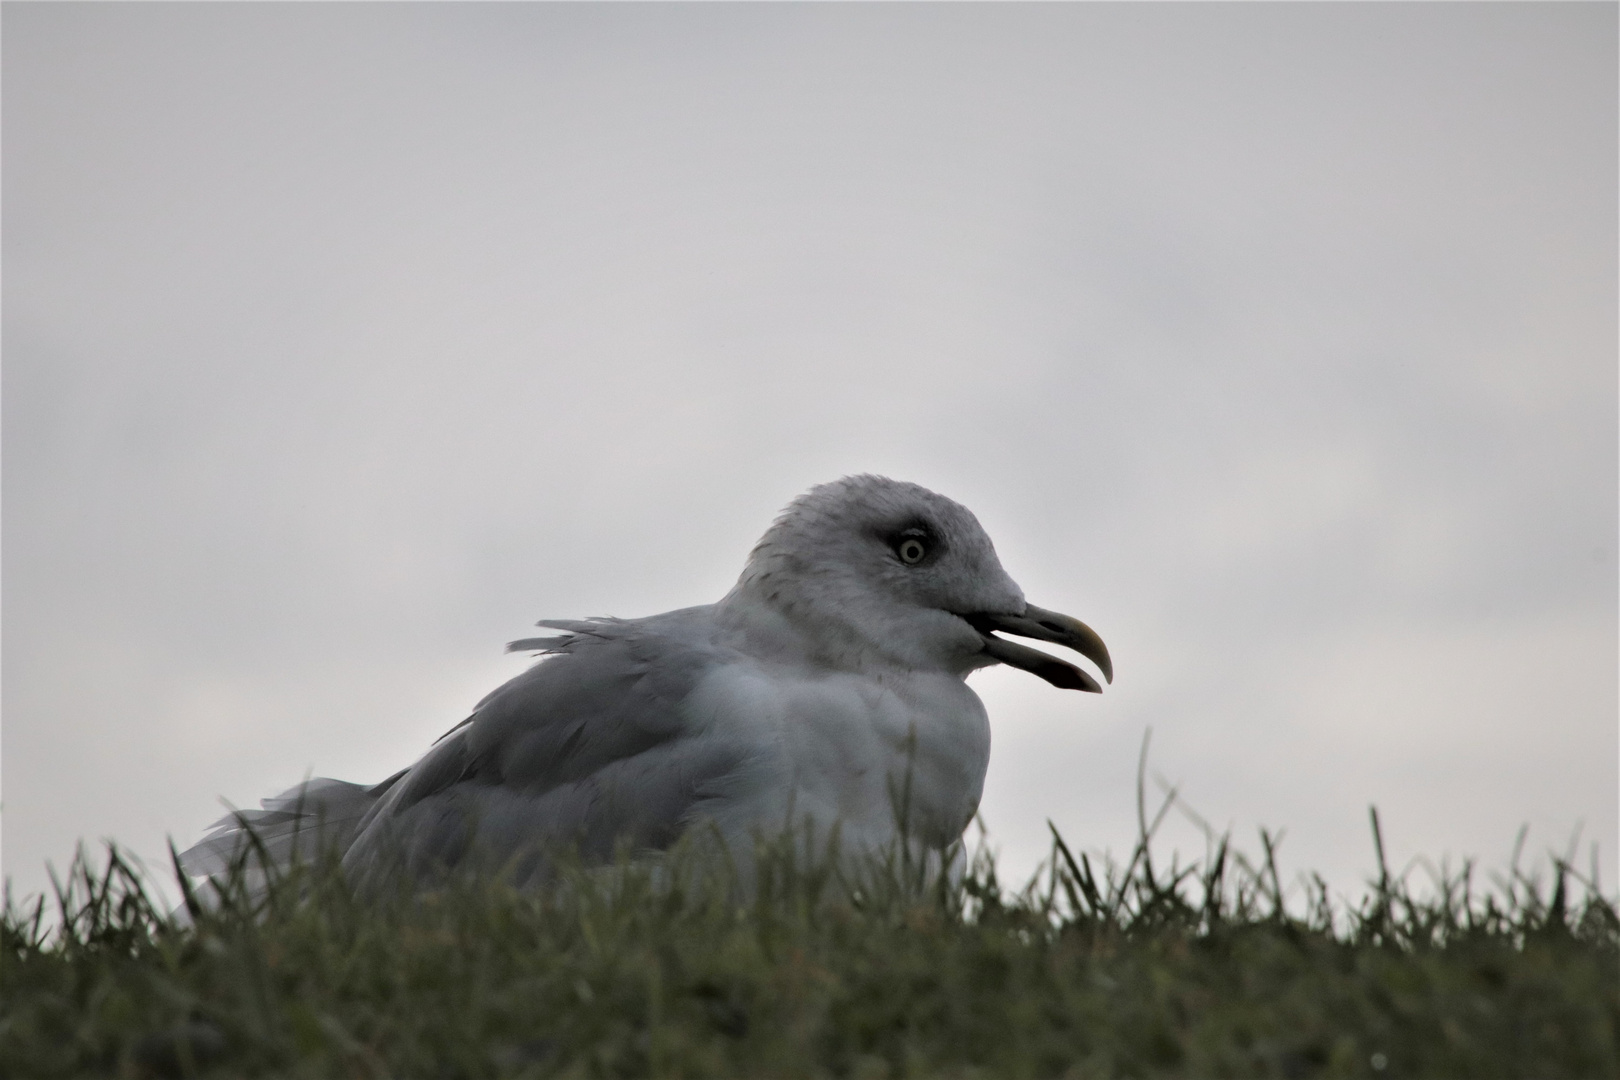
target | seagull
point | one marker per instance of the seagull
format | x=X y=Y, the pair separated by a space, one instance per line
x=824 y=690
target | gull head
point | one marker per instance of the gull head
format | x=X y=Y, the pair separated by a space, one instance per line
x=869 y=572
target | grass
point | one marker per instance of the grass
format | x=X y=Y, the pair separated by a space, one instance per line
x=1087 y=970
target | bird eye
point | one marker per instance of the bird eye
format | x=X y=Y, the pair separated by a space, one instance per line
x=911 y=551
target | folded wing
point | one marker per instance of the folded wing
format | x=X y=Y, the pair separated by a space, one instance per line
x=587 y=749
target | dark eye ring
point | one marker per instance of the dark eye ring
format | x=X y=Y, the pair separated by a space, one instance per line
x=911 y=551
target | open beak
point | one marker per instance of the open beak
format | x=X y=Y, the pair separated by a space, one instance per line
x=1043 y=625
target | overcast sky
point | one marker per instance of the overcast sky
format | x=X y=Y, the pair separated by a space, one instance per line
x=1277 y=342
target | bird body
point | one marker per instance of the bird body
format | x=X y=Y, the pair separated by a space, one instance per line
x=825 y=692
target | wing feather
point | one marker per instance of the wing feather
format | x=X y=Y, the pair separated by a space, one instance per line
x=589 y=747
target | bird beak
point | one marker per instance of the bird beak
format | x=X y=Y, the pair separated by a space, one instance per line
x=1043 y=625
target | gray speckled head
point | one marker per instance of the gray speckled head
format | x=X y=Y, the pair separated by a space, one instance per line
x=884 y=563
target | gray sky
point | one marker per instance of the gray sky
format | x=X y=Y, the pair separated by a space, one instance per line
x=1278 y=342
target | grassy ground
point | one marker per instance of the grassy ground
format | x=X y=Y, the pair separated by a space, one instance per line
x=1126 y=971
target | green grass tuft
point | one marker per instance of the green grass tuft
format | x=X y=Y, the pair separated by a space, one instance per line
x=1112 y=970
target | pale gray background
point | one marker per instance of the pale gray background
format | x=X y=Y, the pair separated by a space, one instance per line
x=1277 y=342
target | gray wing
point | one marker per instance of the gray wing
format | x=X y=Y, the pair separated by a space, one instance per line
x=587 y=749
x=299 y=823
